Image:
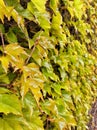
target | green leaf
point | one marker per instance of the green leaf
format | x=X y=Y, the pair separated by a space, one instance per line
x=57 y=88
x=2 y=29
x=11 y=2
x=4 y=90
x=78 y=5
x=12 y=122
x=54 y=5
x=5 y=63
x=2 y=71
x=43 y=21
x=50 y=74
x=8 y=106
x=37 y=123
x=29 y=103
x=4 y=79
x=56 y=27
x=4 y=125
x=57 y=21
x=17 y=122
x=43 y=18
x=11 y=37
x=40 y=5
x=24 y=12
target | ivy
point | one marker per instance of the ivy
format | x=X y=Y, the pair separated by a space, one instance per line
x=48 y=64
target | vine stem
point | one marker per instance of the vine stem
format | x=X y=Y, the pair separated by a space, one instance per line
x=4 y=85
x=36 y=43
x=2 y=39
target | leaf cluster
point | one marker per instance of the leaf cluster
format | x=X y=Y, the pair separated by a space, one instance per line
x=48 y=64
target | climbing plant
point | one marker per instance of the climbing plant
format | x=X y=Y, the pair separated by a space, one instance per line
x=48 y=64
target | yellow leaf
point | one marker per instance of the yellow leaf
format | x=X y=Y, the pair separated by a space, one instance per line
x=54 y=5
x=19 y=19
x=2 y=3
x=1 y=14
x=16 y=55
x=37 y=94
x=14 y=50
x=8 y=12
x=24 y=87
x=32 y=79
x=5 y=62
x=2 y=10
x=5 y=11
x=40 y=5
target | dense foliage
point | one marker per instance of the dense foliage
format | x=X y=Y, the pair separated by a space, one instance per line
x=48 y=63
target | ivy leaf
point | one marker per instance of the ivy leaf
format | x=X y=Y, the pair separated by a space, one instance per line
x=40 y=5
x=78 y=6
x=13 y=122
x=11 y=37
x=15 y=50
x=39 y=54
x=43 y=21
x=9 y=125
x=50 y=74
x=57 y=88
x=43 y=18
x=6 y=12
x=56 y=28
x=54 y=5
x=57 y=21
x=4 y=79
x=37 y=94
x=4 y=90
x=2 y=6
x=11 y=2
x=5 y=62
x=51 y=107
x=2 y=29
x=32 y=79
x=18 y=18
x=61 y=123
x=16 y=56
x=2 y=3
x=37 y=123
x=4 y=125
x=25 y=13
x=29 y=103
x=8 y=106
